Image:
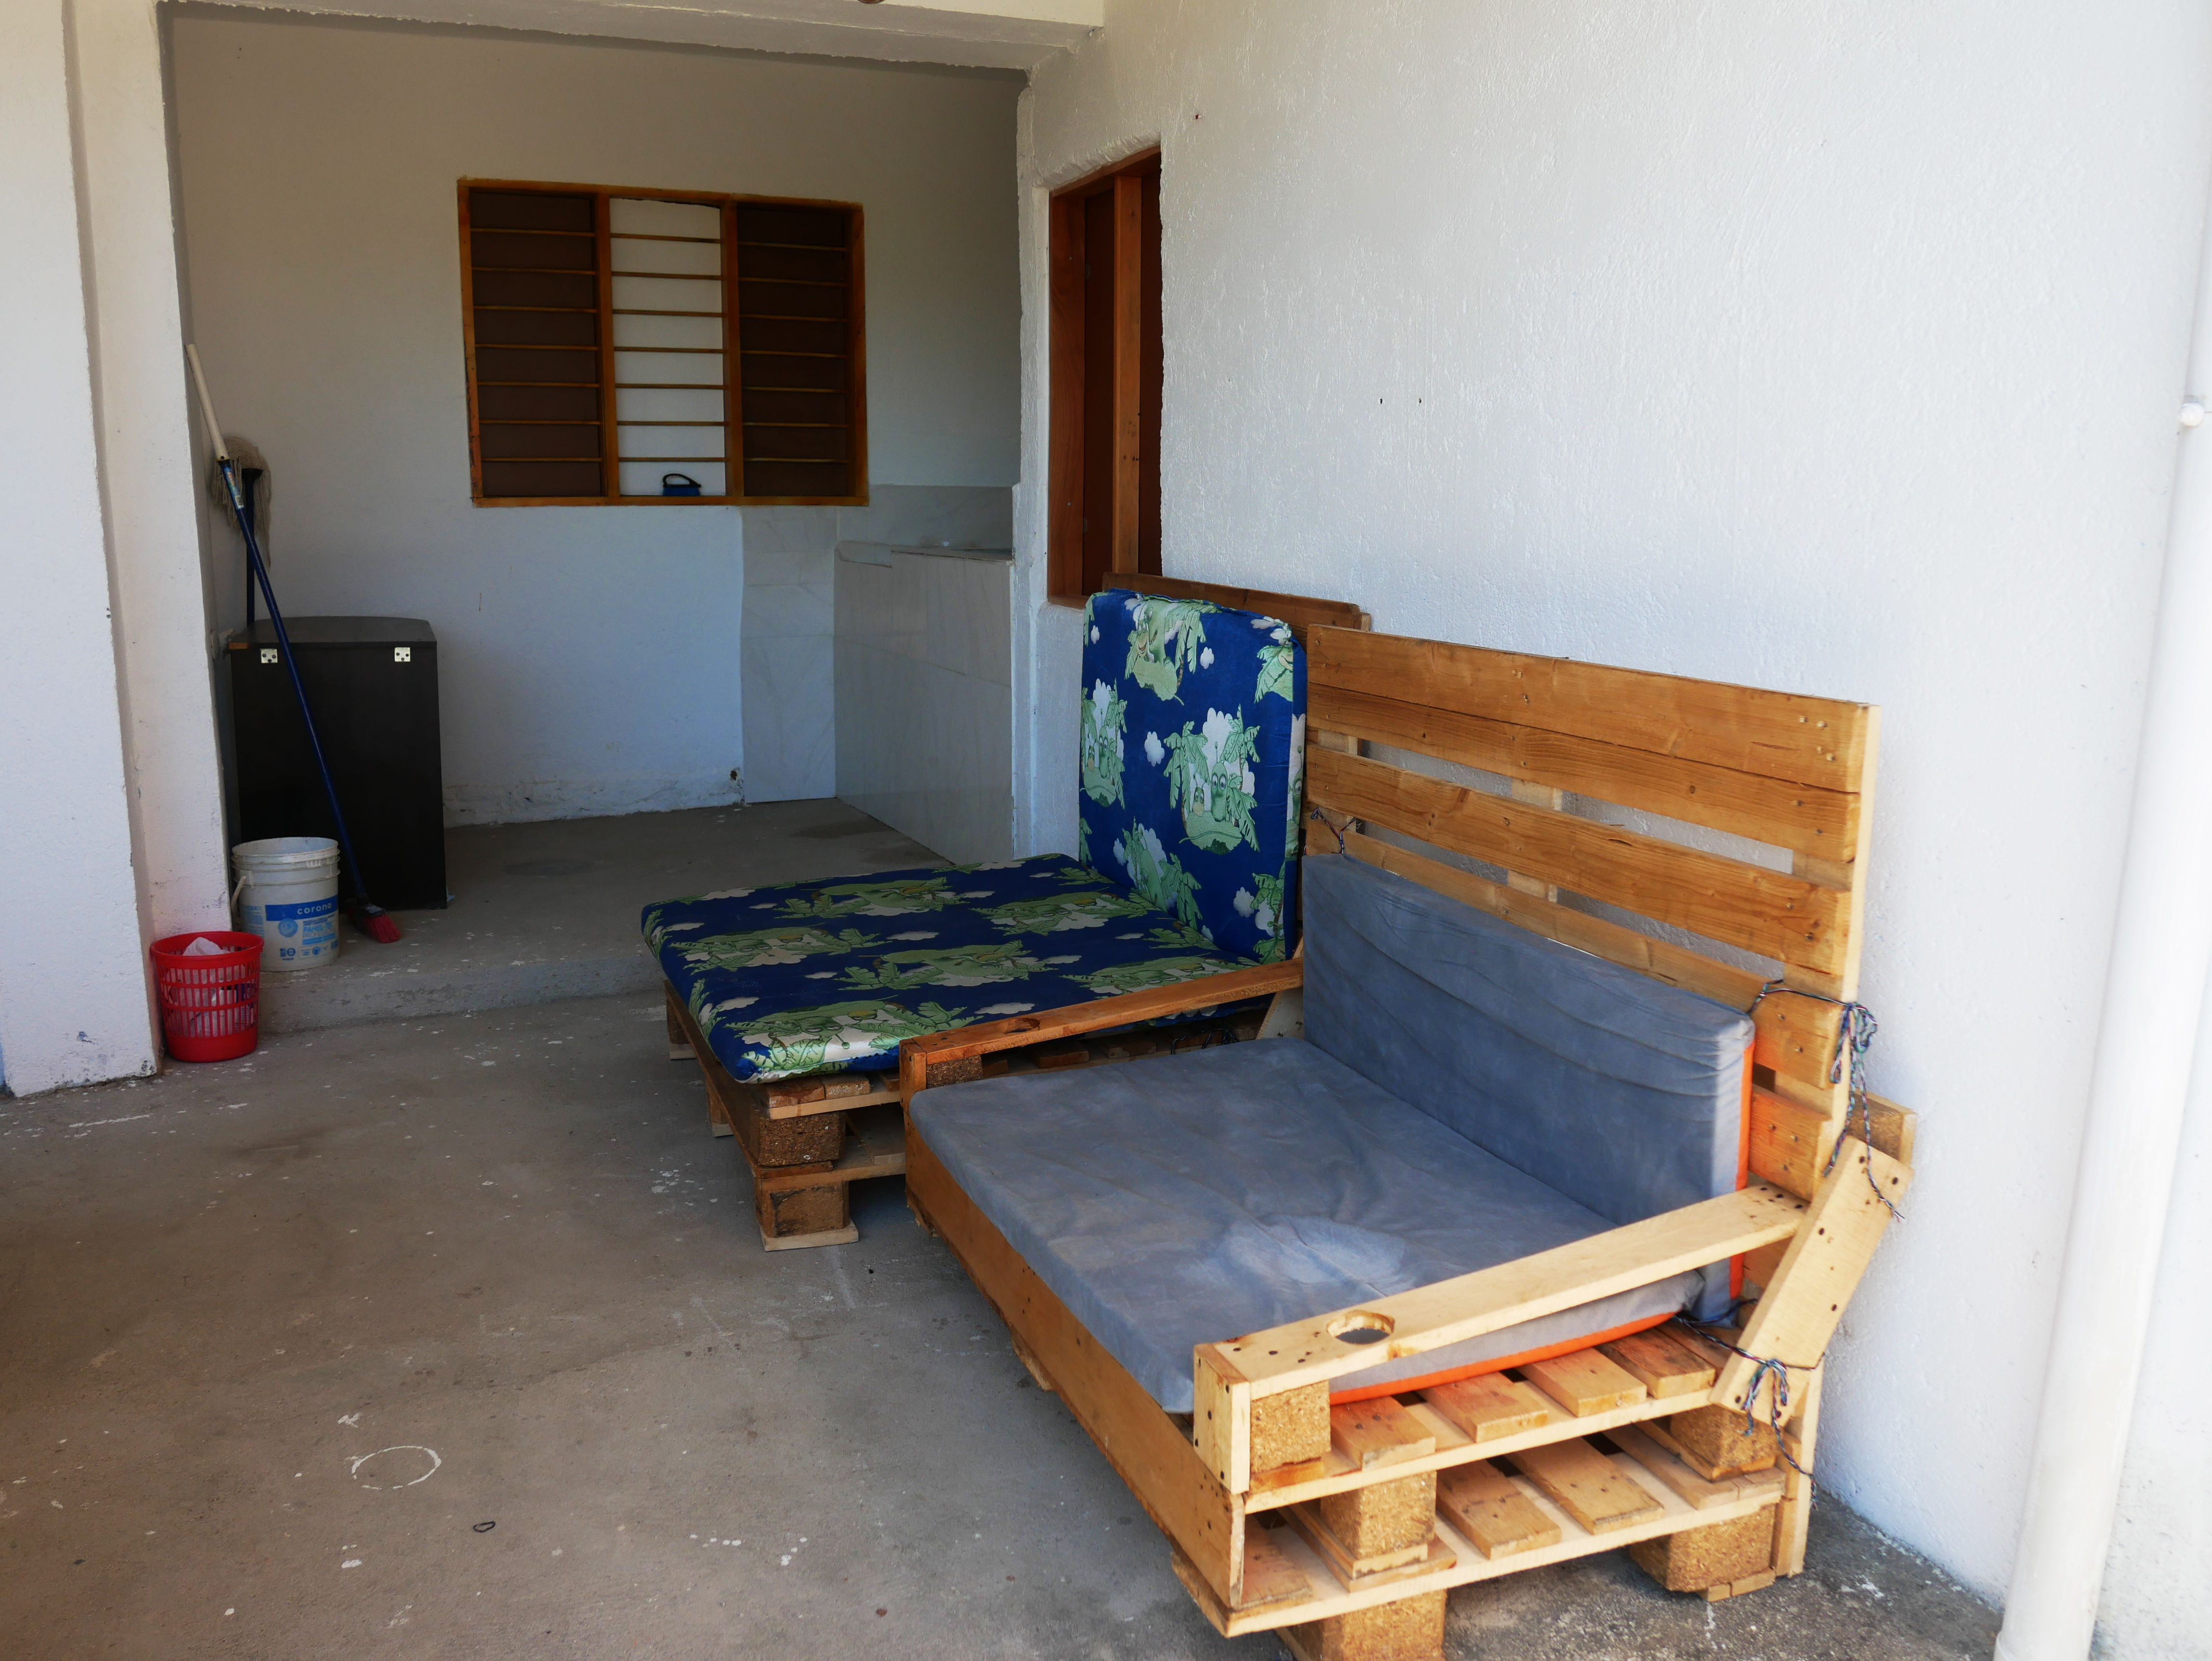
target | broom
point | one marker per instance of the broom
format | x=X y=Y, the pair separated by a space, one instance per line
x=373 y=919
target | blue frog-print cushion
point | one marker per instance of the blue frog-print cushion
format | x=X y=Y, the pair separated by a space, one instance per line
x=805 y=977
x=1194 y=756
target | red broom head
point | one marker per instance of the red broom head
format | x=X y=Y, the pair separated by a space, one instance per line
x=375 y=921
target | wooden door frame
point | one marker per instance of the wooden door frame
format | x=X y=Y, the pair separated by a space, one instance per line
x=1067 y=369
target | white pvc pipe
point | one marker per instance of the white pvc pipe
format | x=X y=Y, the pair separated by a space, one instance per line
x=2153 y=994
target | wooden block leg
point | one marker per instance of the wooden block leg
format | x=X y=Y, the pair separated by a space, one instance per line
x=1411 y=1629
x=1722 y=1555
x=798 y=1217
x=1289 y=1428
x=679 y=1041
x=1384 y=1518
x=1716 y=1441
x=1385 y=1531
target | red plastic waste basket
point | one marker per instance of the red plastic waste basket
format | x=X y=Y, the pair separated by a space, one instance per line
x=210 y=1003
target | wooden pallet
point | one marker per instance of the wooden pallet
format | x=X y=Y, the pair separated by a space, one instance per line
x=1285 y=1512
x=1447 y=1426
x=788 y=1202
x=1617 y=1502
x=807 y=1140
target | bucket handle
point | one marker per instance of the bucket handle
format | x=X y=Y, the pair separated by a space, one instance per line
x=236 y=888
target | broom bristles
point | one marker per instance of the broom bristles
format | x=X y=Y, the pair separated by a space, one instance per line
x=376 y=922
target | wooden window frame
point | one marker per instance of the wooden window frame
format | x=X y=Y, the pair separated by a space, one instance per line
x=732 y=389
x=1131 y=553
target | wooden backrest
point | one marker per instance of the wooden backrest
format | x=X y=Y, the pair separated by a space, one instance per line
x=1302 y=612
x=1790 y=771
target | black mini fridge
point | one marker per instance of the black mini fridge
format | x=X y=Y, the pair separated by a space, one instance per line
x=373 y=682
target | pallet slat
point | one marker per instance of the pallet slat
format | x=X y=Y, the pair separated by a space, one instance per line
x=1486 y=1505
x=1777 y=812
x=1821 y=742
x=1584 y=1382
x=1587 y=1486
x=1270 y=1579
x=1302 y=612
x=1666 y=1366
x=1483 y=1410
x=1331 y=1597
x=1378 y=1432
x=1820 y=1270
x=1732 y=902
x=1468 y=1305
x=1699 y=1491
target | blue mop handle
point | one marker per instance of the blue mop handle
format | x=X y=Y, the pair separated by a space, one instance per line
x=292 y=668
x=283 y=640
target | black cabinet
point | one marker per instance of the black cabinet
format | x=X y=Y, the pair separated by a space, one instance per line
x=373 y=685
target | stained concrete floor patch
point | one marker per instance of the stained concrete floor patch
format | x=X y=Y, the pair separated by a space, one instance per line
x=549 y=910
x=358 y=1348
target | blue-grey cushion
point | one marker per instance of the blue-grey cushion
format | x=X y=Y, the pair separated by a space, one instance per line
x=1623 y=1093
x=1189 y=1199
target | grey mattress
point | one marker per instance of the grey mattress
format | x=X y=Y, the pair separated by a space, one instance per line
x=1621 y=1092
x=1191 y=1198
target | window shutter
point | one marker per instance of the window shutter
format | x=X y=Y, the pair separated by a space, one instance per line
x=533 y=317
x=616 y=336
x=798 y=334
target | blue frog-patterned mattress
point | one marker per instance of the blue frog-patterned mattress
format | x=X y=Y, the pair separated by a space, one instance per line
x=802 y=977
x=1194 y=758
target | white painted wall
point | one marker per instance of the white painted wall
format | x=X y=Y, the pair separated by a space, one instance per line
x=73 y=993
x=790 y=677
x=590 y=656
x=925 y=712
x=1832 y=347
x=151 y=458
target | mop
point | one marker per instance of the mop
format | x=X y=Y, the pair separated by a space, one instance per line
x=371 y=919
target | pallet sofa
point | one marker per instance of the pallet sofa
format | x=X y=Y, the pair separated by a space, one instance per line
x=1391 y=1307
x=794 y=998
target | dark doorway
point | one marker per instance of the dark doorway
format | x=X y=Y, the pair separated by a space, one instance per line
x=1106 y=370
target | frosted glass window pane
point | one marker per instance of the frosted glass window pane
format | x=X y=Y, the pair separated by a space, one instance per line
x=638 y=216
x=681 y=369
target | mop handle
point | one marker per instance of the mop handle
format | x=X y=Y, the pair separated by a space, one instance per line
x=283 y=640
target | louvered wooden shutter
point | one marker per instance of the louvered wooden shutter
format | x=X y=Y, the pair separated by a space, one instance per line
x=533 y=277
x=615 y=338
x=799 y=336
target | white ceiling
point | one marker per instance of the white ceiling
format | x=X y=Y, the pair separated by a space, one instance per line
x=994 y=34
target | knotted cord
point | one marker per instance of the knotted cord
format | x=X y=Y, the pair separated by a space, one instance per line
x=1772 y=1374
x=1854 y=1037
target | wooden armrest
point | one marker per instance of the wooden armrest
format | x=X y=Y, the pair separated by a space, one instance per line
x=1466 y=1307
x=936 y=1059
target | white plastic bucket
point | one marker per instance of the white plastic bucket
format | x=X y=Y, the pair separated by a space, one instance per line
x=288 y=895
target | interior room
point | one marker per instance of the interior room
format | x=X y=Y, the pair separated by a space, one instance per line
x=1050 y=827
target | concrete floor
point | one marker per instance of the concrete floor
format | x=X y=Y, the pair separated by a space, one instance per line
x=543 y=911
x=454 y=1339
x=451 y=1336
